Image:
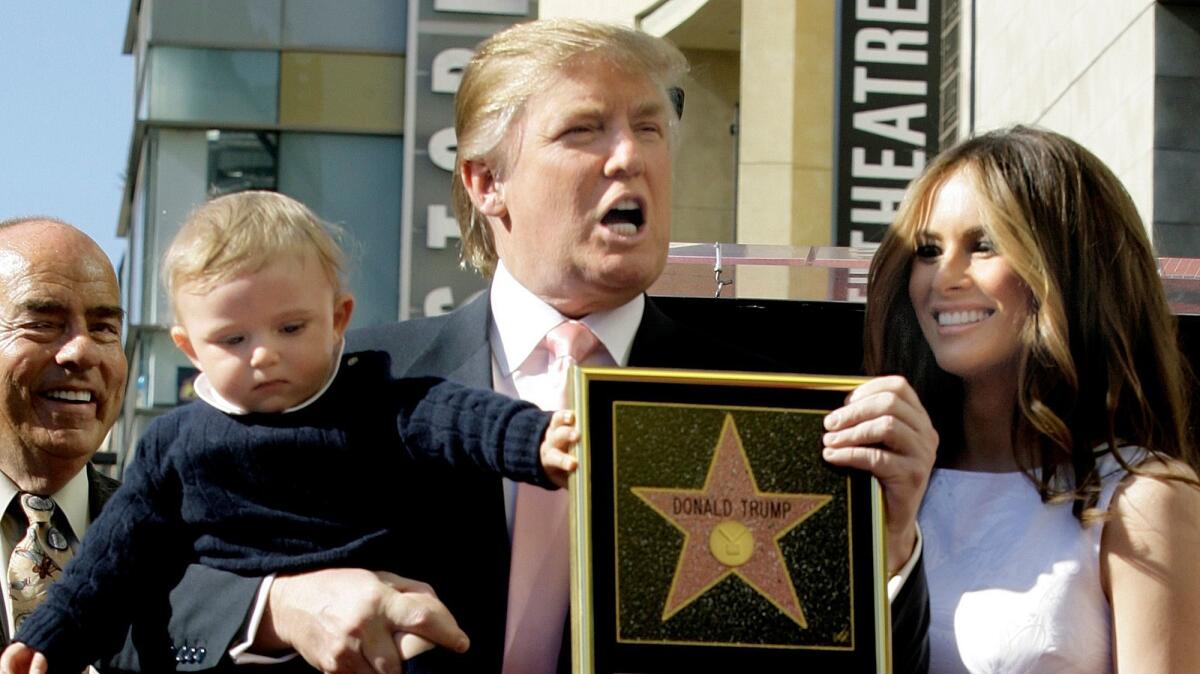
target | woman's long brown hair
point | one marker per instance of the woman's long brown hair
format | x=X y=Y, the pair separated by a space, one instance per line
x=1101 y=365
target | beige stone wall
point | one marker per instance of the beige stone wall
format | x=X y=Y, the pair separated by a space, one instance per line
x=785 y=178
x=703 y=187
x=1084 y=68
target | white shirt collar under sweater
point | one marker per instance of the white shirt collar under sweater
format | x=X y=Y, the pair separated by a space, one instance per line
x=520 y=320
x=206 y=392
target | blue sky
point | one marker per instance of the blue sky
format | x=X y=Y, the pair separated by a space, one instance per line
x=66 y=112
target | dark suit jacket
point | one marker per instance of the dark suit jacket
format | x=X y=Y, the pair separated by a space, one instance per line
x=460 y=518
x=100 y=489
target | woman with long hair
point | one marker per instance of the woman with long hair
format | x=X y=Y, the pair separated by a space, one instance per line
x=1019 y=295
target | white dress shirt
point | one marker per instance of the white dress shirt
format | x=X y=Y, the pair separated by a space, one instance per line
x=520 y=321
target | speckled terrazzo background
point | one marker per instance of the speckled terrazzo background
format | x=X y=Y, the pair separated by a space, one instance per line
x=672 y=446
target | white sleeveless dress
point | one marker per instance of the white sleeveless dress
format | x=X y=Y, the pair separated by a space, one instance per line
x=1014 y=584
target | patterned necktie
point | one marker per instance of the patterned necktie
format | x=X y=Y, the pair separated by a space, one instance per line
x=37 y=559
x=538 y=585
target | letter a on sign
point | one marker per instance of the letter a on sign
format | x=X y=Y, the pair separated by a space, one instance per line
x=893 y=123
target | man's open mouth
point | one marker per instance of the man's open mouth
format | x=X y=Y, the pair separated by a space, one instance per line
x=625 y=218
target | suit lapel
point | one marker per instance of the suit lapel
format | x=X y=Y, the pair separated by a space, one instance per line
x=461 y=351
x=100 y=489
x=653 y=334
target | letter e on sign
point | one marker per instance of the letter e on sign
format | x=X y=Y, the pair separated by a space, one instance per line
x=892 y=12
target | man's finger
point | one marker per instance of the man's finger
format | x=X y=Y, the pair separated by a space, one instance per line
x=380 y=649
x=422 y=614
x=8 y=661
x=402 y=584
x=411 y=645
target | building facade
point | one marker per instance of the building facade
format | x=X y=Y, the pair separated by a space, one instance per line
x=344 y=105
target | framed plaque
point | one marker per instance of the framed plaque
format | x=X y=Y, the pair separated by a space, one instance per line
x=709 y=535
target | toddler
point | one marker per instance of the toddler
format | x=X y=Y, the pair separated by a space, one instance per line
x=296 y=457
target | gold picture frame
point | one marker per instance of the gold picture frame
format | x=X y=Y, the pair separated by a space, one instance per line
x=708 y=534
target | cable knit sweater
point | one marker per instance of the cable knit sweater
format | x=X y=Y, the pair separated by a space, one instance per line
x=276 y=493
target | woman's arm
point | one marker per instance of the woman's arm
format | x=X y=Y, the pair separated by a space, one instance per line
x=1148 y=554
x=883 y=428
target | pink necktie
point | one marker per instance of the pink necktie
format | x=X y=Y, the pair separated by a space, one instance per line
x=538 y=584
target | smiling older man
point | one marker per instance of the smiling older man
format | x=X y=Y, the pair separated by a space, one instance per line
x=62 y=377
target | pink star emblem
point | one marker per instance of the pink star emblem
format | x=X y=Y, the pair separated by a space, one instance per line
x=731 y=527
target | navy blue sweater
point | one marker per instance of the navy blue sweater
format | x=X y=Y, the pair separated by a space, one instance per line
x=277 y=493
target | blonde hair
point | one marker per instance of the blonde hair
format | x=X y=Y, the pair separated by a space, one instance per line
x=513 y=65
x=240 y=233
x=1101 y=364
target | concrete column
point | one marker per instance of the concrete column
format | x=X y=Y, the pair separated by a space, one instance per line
x=786 y=152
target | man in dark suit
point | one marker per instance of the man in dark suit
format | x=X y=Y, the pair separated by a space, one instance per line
x=563 y=192
x=62 y=377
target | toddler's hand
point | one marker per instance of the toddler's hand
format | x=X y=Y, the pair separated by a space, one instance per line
x=21 y=659
x=556 y=447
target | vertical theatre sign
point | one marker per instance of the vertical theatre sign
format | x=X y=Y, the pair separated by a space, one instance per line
x=442 y=35
x=888 y=79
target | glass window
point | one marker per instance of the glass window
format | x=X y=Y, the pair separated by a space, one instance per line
x=354 y=92
x=213 y=85
x=353 y=181
x=242 y=160
x=357 y=25
x=217 y=23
